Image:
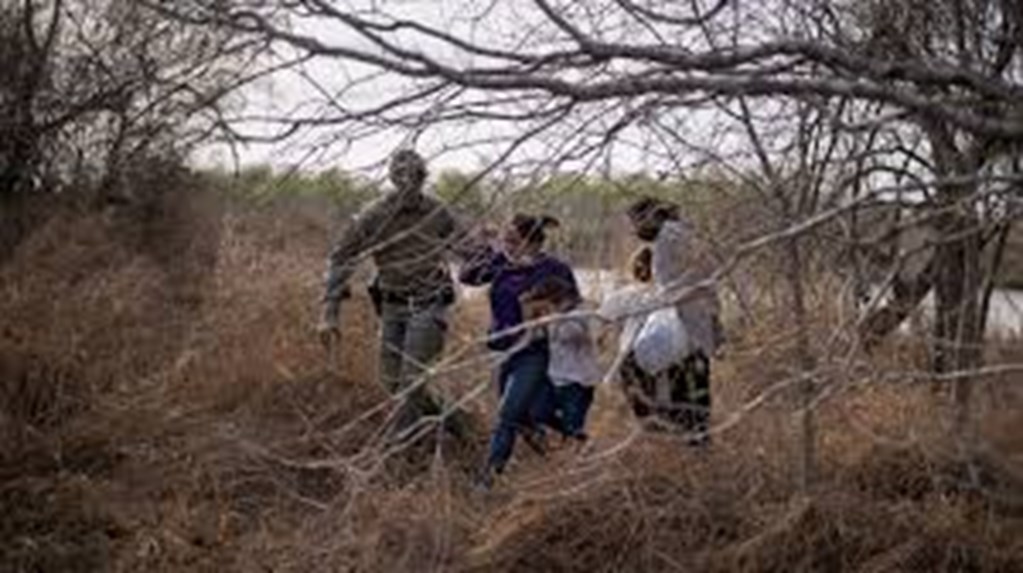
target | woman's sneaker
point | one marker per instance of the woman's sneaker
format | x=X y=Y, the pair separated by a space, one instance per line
x=535 y=438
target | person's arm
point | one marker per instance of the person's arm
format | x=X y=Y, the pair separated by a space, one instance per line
x=481 y=266
x=345 y=256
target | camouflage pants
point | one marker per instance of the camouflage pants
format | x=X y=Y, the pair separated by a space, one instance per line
x=411 y=339
x=686 y=403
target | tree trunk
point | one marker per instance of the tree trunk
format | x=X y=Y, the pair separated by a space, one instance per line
x=1001 y=242
x=807 y=429
x=958 y=326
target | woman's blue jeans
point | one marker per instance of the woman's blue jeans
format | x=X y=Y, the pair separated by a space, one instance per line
x=527 y=400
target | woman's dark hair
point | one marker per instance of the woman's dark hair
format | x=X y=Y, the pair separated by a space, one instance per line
x=642 y=263
x=534 y=228
x=647 y=206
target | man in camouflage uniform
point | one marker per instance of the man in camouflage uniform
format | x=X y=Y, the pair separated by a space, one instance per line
x=407 y=234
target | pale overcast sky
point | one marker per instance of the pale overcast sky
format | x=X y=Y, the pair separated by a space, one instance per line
x=308 y=91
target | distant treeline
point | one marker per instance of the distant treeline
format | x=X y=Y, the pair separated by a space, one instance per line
x=591 y=208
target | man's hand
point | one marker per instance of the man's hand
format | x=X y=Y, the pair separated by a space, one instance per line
x=329 y=332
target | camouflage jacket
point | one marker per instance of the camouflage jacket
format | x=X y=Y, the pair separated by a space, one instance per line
x=408 y=236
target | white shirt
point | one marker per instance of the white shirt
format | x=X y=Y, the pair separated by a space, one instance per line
x=573 y=353
x=678 y=264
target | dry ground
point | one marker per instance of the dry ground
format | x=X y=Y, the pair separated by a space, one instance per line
x=165 y=407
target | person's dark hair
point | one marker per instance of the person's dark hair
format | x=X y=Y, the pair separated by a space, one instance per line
x=642 y=263
x=647 y=206
x=553 y=289
x=534 y=228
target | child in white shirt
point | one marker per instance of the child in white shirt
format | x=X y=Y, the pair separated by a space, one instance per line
x=572 y=367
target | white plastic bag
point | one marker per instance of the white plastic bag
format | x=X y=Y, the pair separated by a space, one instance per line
x=661 y=342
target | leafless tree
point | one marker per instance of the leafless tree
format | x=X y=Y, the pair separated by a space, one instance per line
x=88 y=89
x=968 y=215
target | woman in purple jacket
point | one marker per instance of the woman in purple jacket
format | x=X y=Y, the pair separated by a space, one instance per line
x=511 y=270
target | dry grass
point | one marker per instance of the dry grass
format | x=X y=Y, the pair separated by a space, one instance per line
x=166 y=408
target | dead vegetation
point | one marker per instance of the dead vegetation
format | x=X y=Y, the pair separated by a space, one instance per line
x=165 y=407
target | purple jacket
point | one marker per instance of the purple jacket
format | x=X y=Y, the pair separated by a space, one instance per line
x=508 y=282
